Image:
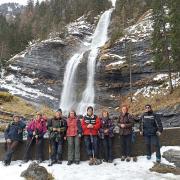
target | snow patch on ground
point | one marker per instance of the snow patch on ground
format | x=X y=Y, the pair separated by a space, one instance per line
x=148 y=91
x=16 y=87
x=122 y=171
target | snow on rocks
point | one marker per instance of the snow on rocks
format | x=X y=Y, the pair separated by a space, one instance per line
x=80 y=27
x=143 y=27
x=17 y=86
x=15 y=68
x=119 y=170
x=149 y=91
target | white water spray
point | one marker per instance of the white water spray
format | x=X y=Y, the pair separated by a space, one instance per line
x=99 y=39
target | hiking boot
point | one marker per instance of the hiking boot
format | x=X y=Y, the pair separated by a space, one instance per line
x=59 y=162
x=6 y=163
x=148 y=157
x=123 y=158
x=25 y=160
x=39 y=161
x=135 y=159
x=69 y=163
x=52 y=162
x=110 y=161
x=91 y=162
x=77 y=162
x=128 y=159
x=158 y=160
x=97 y=161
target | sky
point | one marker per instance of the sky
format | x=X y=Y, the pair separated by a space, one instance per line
x=22 y=2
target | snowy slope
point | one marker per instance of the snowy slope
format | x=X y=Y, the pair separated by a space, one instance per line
x=105 y=171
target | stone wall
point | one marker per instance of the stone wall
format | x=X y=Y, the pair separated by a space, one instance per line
x=170 y=137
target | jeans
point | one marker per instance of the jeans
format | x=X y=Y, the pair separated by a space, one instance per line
x=57 y=149
x=106 y=148
x=152 y=140
x=126 y=142
x=91 y=144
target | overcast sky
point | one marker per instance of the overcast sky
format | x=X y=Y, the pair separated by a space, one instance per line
x=23 y=2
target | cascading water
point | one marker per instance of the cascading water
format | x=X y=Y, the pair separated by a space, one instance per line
x=68 y=95
x=68 y=98
x=99 y=38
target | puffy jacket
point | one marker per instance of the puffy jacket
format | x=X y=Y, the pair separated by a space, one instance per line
x=128 y=121
x=14 y=131
x=106 y=123
x=150 y=123
x=73 y=127
x=38 y=126
x=95 y=121
x=60 y=124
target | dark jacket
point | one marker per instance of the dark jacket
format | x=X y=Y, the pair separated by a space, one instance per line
x=106 y=123
x=14 y=131
x=128 y=121
x=150 y=123
x=60 y=124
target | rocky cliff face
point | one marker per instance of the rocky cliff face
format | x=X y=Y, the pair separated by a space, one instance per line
x=36 y=74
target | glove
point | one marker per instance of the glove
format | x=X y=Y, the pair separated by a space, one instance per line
x=141 y=133
x=158 y=133
x=8 y=140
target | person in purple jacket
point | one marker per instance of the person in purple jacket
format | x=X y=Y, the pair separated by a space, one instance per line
x=36 y=130
x=106 y=134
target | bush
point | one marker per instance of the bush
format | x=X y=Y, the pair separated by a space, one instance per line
x=5 y=97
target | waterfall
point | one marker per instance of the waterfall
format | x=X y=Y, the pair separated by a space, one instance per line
x=68 y=96
x=99 y=39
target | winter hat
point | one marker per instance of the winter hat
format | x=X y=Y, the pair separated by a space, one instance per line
x=59 y=110
x=90 y=107
x=16 y=115
x=148 y=105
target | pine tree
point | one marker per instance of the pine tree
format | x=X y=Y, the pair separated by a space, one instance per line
x=161 y=38
x=174 y=6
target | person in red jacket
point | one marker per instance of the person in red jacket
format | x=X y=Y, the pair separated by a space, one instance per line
x=90 y=125
x=74 y=132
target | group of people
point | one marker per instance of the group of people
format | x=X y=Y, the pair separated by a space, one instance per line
x=97 y=133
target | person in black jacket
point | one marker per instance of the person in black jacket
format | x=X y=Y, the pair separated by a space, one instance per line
x=57 y=127
x=13 y=136
x=151 y=128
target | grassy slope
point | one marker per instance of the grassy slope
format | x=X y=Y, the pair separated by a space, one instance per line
x=158 y=101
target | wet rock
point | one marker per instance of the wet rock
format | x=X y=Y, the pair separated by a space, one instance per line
x=36 y=172
x=164 y=168
x=172 y=156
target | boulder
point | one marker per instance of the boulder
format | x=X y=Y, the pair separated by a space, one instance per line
x=164 y=168
x=36 y=172
x=172 y=156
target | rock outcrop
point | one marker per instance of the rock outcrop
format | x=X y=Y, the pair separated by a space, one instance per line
x=36 y=172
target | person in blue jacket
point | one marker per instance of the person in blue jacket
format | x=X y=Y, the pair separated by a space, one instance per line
x=13 y=136
x=151 y=128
